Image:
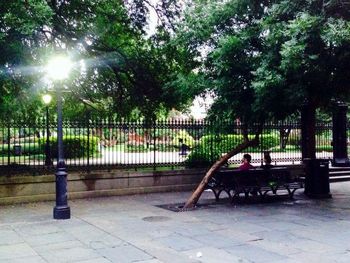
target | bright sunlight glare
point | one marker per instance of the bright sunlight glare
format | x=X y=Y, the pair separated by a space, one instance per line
x=59 y=68
x=47 y=98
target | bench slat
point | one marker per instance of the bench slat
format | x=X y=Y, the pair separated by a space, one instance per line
x=253 y=182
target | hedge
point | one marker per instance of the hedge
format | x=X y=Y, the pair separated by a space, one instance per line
x=268 y=141
x=74 y=146
x=185 y=137
x=26 y=149
x=203 y=155
x=222 y=142
x=229 y=141
x=211 y=147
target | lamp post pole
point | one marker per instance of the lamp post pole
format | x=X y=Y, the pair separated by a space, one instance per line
x=61 y=210
x=48 y=161
x=58 y=69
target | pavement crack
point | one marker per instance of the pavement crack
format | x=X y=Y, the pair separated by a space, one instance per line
x=255 y=240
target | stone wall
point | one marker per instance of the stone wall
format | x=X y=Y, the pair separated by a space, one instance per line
x=29 y=188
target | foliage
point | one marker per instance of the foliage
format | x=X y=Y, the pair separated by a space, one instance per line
x=288 y=148
x=121 y=137
x=224 y=142
x=263 y=59
x=26 y=149
x=122 y=63
x=183 y=137
x=295 y=138
x=268 y=141
x=212 y=147
x=136 y=148
x=163 y=147
x=203 y=155
x=324 y=148
x=74 y=146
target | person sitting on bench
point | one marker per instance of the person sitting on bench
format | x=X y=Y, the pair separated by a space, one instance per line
x=246 y=163
x=267 y=161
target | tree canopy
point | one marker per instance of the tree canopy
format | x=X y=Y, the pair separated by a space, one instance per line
x=121 y=69
x=264 y=59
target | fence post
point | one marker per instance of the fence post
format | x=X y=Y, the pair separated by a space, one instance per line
x=88 y=142
x=340 y=151
x=308 y=115
x=8 y=142
x=154 y=145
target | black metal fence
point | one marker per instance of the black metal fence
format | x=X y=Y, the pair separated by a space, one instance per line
x=107 y=144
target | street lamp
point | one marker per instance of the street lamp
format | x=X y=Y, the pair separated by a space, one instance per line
x=47 y=99
x=58 y=69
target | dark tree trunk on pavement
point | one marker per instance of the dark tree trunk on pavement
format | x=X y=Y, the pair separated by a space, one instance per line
x=308 y=131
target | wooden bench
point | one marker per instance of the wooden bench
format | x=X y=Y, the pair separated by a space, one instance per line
x=255 y=182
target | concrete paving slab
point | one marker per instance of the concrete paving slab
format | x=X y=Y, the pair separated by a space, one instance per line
x=73 y=254
x=9 y=236
x=179 y=242
x=124 y=254
x=14 y=251
x=213 y=255
x=135 y=229
x=254 y=253
x=27 y=259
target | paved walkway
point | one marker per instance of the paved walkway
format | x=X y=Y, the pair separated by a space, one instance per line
x=134 y=229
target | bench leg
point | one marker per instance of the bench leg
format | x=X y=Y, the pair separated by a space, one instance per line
x=246 y=193
x=234 y=196
x=291 y=192
x=217 y=195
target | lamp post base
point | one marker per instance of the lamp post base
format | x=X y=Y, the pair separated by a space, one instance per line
x=61 y=212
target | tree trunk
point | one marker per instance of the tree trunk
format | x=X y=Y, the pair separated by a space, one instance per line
x=308 y=131
x=192 y=201
x=284 y=135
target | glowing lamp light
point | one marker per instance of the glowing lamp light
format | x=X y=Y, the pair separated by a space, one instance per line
x=59 y=67
x=47 y=99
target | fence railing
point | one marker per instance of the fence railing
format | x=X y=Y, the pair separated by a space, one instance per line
x=106 y=143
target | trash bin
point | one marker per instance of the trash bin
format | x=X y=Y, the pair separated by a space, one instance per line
x=17 y=150
x=317 y=178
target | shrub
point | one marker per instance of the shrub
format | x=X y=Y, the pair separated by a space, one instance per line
x=223 y=142
x=74 y=146
x=289 y=148
x=162 y=147
x=295 y=138
x=26 y=149
x=185 y=137
x=136 y=148
x=203 y=156
x=121 y=137
x=324 y=148
x=211 y=147
x=269 y=140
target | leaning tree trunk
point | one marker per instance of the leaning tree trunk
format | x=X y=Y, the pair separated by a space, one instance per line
x=192 y=201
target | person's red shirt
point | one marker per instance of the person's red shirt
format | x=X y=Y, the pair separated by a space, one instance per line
x=245 y=166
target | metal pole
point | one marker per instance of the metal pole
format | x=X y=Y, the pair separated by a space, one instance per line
x=48 y=160
x=340 y=150
x=154 y=145
x=61 y=210
x=88 y=141
x=8 y=142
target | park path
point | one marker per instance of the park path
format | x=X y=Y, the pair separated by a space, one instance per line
x=134 y=228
